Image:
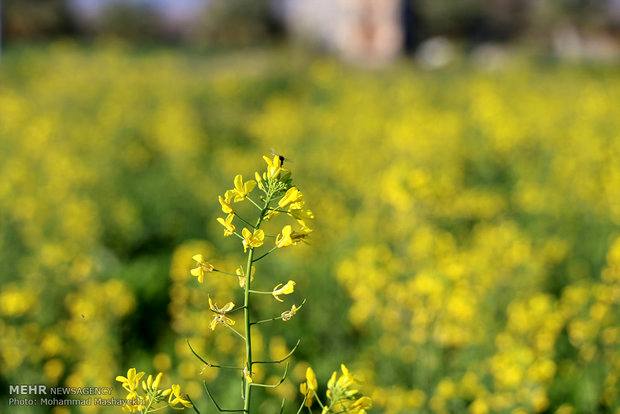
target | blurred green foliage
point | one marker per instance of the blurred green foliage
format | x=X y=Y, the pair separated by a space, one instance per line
x=465 y=253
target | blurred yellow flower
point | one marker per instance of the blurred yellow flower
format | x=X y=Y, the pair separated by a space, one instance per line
x=360 y=405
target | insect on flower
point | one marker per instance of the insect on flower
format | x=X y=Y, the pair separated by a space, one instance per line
x=280 y=156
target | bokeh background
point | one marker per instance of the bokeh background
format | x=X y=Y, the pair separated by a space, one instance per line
x=462 y=160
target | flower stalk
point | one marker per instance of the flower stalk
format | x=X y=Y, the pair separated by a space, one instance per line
x=279 y=197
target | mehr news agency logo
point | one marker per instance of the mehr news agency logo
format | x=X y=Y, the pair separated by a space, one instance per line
x=39 y=394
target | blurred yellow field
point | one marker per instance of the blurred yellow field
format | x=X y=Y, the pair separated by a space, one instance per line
x=466 y=247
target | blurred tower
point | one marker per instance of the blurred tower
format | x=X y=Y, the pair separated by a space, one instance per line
x=363 y=31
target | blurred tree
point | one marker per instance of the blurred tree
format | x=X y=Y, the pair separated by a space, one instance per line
x=136 y=21
x=504 y=20
x=478 y=20
x=238 y=23
x=37 y=19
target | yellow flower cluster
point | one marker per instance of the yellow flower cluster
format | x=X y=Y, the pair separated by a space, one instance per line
x=149 y=398
x=271 y=182
x=278 y=196
x=342 y=395
x=470 y=230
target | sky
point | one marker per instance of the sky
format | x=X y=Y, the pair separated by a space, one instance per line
x=172 y=9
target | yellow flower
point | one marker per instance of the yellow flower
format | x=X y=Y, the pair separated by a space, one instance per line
x=220 y=314
x=341 y=387
x=254 y=239
x=242 y=189
x=259 y=181
x=361 y=404
x=152 y=384
x=331 y=383
x=307 y=393
x=203 y=267
x=346 y=380
x=130 y=382
x=157 y=381
x=283 y=290
x=176 y=397
x=292 y=195
x=284 y=239
x=225 y=203
x=289 y=237
x=229 y=227
x=274 y=166
x=241 y=275
x=302 y=216
x=311 y=379
x=135 y=406
x=308 y=388
x=287 y=315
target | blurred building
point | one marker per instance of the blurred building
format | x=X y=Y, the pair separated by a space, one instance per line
x=367 y=31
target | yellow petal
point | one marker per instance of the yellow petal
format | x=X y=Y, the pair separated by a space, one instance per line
x=311 y=379
x=249 y=186
x=228 y=307
x=157 y=381
x=238 y=181
x=259 y=234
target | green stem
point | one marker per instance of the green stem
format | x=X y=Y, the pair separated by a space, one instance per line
x=246 y=314
x=260 y=292
x=301 y=407
x=148 y=407
x=235 y=331
x=244 y=220
x=248 y=335
x=257 y=206
x=267 y=320
x=265 y=254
